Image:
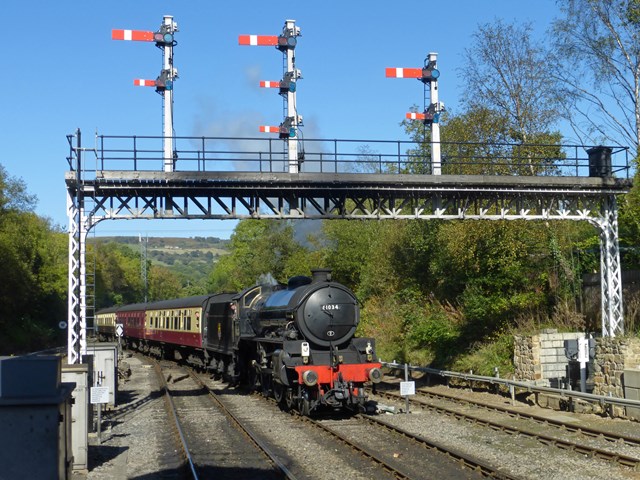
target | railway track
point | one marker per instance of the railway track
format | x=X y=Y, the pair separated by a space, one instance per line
x=398 y=457
x=212 y=440
x=520 y=423
x=594 y=432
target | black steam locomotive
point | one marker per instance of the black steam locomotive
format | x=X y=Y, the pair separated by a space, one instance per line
x=295 y=342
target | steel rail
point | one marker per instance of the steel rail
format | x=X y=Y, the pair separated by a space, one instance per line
x=260 y=445
x=585 y=430
x=601 y=399
x=366 y=452
x=466 y=460
x=624 y=460
x=178 y=427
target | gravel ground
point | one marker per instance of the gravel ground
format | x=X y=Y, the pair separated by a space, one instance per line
x=135 y=434
x=520 y=456
x=307 y=453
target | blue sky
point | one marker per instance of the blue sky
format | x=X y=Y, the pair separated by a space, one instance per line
x=62 y=71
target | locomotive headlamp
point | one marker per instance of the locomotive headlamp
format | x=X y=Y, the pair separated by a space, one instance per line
x=310 y=378
x=375 y=375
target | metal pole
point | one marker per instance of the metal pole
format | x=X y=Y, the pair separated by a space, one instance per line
x=436 y=165
x=292 y=142
x=167 y=123
x=406 y=379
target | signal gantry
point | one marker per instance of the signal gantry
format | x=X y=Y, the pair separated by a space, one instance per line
x=288 y=130
x=164 y=39
x=428 y=75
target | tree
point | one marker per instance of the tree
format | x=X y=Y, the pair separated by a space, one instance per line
x=597 y=51
x=163 y=284
x=505 y=71
x=14 y=195
x=257 y=247
x=118 y=279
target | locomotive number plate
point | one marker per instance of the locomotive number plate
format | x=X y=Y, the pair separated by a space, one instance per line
x=331 y=306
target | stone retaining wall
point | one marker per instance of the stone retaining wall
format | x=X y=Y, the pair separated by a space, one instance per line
x=613 y=356
x=541 y=358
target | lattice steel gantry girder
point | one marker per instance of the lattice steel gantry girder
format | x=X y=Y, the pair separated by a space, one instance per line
x=240 y=195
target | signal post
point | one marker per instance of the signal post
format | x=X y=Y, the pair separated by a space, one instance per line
x=288 y=130
x=164 y=40
x=428 y=75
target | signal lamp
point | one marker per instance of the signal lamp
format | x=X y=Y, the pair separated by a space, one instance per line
x=285 y=42
x=163 y=37
x=430 y=73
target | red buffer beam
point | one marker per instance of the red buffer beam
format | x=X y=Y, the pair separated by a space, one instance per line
x=258 y=40
x=139 y=82
x=403 y=72
x=135 y=35
x=266 y=129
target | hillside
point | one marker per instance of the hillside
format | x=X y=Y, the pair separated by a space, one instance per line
x=190 y=258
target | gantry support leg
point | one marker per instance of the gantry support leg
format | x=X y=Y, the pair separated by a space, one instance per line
x=73 y=313
x=610 y=270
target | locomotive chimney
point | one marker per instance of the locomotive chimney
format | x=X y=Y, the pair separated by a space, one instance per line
x=321 y=275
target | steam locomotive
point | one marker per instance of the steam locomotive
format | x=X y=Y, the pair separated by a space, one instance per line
x=294 y=342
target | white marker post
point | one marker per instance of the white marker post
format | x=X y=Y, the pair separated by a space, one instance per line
x=407 y=388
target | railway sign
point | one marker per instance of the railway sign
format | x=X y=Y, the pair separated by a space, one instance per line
x=99 y=395
x=407 y=388
x=119 y=329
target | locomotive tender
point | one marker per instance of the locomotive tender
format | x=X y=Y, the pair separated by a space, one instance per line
x=295 y=342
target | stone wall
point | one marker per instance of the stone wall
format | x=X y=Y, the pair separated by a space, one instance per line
x=526 y=358
x=613 y=356
x=541 y=358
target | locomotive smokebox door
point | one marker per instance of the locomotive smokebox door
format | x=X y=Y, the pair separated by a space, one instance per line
x=329 y=316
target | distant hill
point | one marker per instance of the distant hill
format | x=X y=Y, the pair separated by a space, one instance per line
x=192 y=258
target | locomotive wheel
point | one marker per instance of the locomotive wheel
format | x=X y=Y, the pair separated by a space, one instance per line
x=288 y=399
x=304 y=407
x=278 y=392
